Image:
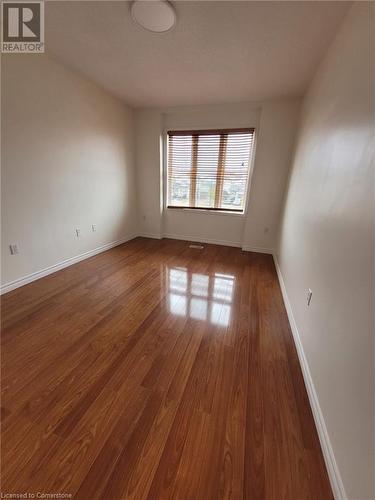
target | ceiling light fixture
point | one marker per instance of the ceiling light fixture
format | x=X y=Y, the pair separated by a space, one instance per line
x=157 y=16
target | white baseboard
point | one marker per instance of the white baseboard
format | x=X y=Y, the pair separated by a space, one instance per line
x=7 y=287
x=154 y=236
x=329 y=457
x=212 y=241
x=248 y=248
x=12 y=285
x=202 y=240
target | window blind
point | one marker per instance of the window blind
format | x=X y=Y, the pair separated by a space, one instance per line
x=209 y=169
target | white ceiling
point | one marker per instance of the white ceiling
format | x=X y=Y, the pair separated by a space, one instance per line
x=219 y=51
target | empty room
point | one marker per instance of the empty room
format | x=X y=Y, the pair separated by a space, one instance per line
x=187 y=250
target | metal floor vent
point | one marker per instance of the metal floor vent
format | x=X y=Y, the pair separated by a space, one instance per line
x=197 y=247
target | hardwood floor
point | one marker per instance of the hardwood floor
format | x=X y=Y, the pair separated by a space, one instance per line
x=156 y=371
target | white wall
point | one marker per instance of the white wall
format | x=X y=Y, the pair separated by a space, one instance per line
x=327 y=244
x=67 y=162
x=149 y=176
x=275 y=124
x=278 y=127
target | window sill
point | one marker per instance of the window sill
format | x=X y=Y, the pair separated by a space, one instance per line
x=207 y=212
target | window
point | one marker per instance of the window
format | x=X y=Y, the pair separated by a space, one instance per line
x=209 y=169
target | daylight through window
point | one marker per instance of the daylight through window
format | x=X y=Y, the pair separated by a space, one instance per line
x=209 y=169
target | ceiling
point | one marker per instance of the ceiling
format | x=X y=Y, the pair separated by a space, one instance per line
x=219 y=51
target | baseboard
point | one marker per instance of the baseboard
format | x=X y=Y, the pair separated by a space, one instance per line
x=212 y=241
x=248 y=248
x=203 y=240
x=329 y=457
x=154 y=236
x=8 y=287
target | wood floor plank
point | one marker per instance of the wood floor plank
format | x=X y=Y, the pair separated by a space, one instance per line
x=255 y=480
x=156 y=371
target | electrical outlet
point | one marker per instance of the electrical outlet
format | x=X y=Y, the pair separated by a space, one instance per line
x=308 y=297
x=93 y=227
x=78 y=232
x=13 y=249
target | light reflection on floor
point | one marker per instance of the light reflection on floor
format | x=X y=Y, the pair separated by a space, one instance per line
x=199 y=296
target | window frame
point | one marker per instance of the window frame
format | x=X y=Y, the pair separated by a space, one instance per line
x=208 y=131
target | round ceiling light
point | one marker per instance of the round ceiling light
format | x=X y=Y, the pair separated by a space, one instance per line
x=157 y=16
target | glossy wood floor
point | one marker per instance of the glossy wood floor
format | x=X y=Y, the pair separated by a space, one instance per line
x=156 y=371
